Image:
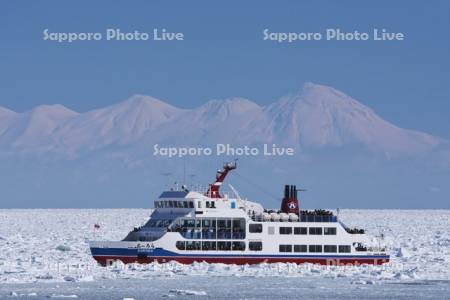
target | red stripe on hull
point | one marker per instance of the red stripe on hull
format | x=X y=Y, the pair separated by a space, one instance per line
x=108 y=260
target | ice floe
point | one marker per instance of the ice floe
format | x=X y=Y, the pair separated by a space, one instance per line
x=50 y=245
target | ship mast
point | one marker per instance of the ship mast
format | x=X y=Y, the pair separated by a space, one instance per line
x=213 y=190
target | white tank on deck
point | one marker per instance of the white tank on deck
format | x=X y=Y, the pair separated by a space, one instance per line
x=293 y=217
x=284 y=217
x=266 y=216
x=275 y=217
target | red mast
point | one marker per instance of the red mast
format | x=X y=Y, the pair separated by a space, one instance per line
x=213 y=190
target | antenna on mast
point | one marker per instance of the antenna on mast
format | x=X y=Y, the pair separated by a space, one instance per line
x=184 y=171
x=236 y=194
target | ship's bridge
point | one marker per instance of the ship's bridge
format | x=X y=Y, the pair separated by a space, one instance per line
x=186 y=201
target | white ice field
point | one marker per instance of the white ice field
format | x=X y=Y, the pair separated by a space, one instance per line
x=39 y=246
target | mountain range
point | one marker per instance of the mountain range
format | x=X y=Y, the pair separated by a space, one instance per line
x=331 y=133
x=317 y=116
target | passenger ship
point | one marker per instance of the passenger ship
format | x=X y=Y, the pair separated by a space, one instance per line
x=192 y=226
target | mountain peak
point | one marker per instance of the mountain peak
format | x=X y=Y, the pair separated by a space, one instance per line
x=55 y=110
x=139 y=99
x=325 y=98
x=5 y=112
x=229 y=106
x=144 y=105
x=311 y=92
x=319 y=116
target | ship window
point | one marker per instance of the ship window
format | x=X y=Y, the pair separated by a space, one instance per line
x=213 y=204
x=344 y=249
x=315 y=248
x=181 y=245
x=255 y=228
x=238 y=228
x=238 y=246
x=209 y=246
x=330 y=248
x=209 y=229
x=166 y=204
x=189 y=223
x=285 y=248
x=315 y=230
x=285 y=230
x=300 y=230
x=199 y=204
x=255 y=246
x=300 y=248
x=170 y=203
x=207 y=204
x=224 y=223
x=329 y=231
x=271 y=230
x=185 y=204
x=224 y=228
x=191 y=204
x=224 y=246
x=193 y=245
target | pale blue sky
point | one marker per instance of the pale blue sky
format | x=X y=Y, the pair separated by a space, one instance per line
x=224 y=55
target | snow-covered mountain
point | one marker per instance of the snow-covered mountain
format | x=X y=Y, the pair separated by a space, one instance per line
x=315 y=117
x=33 y=128
x=345 y=154
x=320 y=116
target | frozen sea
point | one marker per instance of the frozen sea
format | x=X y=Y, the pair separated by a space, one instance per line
x=44 y=254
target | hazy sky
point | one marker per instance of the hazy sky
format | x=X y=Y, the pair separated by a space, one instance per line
x=224 y=54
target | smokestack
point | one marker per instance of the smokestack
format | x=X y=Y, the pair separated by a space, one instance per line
x=290 y=201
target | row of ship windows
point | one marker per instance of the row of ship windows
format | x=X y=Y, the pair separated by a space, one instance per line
x=182 y=204
x=207 y=245
x=210 y=228
x=310 y=230
x=174 y=204
x=236 y=225
x=257 y=246
x=315 y=248
x=257 y=228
